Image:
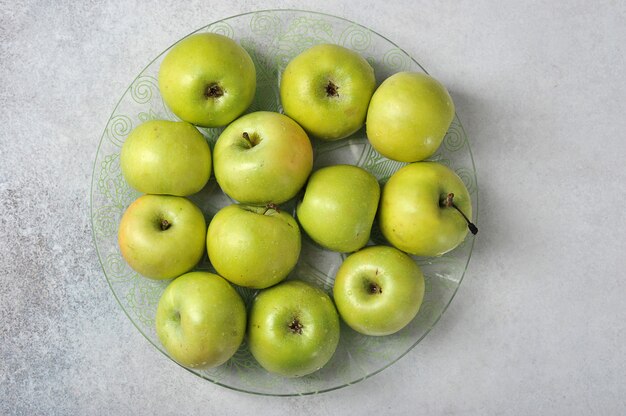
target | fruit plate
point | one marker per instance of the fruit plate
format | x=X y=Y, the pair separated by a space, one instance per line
x=272 y=38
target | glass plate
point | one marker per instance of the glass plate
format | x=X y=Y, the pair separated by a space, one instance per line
x=272 y=38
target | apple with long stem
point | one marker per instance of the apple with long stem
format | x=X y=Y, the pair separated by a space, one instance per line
x=425 y=209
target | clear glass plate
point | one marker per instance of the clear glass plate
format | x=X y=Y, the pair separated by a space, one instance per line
x=272 y=38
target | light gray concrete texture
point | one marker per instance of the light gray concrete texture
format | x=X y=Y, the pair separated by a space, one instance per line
x=538 y=325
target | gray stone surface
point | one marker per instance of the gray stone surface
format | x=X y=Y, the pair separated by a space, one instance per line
x=538 y=325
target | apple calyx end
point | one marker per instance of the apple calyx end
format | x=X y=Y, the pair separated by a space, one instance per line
x=296 y=326
x=374 y=289
x=332 y=90
x=448 y=202
x=165 y=224
x=213 y=91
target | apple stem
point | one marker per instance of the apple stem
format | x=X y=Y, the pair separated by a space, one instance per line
x=252 y=140
x=273 y=206
x=165 y=224
x=449 y=202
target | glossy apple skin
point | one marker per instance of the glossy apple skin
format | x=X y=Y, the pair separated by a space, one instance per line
x=276 y=346
x=339 y=207
x=408 y=116
x=274 y=169
x=200 y=320
x=202 y=60
x=157 y=253
x=253 y=246
x=378 y=290
x=304 y=97
x=166 y=157
x=411 y=214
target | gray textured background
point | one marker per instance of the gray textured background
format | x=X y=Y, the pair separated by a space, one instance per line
x=538 y=325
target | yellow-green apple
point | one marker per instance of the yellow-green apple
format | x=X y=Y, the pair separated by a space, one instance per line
x=166 y=157
x=425 y=209
x=408 y=116
x=378 y=290
x=207 y=79
x=293 y=328
x=200 y=320
x=253 y=246
x=162 y=236
x=262 y=157
x=327 y=89
x=339 y=207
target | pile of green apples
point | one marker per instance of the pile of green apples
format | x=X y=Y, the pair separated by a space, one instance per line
x=264 y=159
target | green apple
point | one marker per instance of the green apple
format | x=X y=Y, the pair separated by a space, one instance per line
x=339 y=207
x=408 y=116
x=162 y=236
x=207 y=79
x=253 y=246
x=200 y=320
x=327 y=89
x=293 y=328
x=262 y=157
x=425 y=209
x=166 y=157
x=378 y=290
